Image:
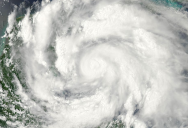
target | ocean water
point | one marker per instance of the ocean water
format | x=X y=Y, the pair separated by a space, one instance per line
x=2 y=40
x=95 y=64
x=169 y=3
x=6 y=7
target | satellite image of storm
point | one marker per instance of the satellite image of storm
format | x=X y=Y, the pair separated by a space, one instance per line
x=93 y=63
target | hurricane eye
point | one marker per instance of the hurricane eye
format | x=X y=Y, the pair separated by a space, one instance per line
x=94 y=64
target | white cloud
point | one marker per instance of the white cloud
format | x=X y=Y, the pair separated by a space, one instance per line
x=120 y=57
x=11 y=21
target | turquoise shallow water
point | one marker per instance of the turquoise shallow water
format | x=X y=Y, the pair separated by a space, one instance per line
x=9 y=75
x=169 y=3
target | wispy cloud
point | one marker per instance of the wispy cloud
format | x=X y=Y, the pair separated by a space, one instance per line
x=93 y=61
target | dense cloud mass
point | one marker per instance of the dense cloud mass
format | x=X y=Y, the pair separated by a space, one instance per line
x=89 y=62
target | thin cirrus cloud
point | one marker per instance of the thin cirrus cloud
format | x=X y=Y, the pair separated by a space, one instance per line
x=124 y=59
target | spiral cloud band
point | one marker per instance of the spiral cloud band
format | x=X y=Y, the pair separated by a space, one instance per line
x=90 y=62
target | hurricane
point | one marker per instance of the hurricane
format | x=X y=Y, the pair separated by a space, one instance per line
x=95 y=64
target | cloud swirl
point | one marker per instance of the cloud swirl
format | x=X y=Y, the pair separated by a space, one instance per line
x=90 y=62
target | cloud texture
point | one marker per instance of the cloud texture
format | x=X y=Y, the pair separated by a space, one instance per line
x=90 y=62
